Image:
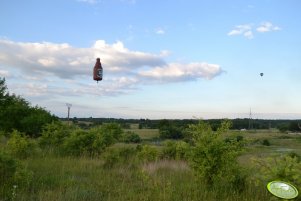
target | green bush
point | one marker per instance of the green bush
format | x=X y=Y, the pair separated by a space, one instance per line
x=92 y=142
x=17 y=113
x=131 y=137
x=54 y=134
x=19 y=145
x=12 y=176
x=105 y=136
x=176 y=150
x=285 y=168
x=79 y=143
x=111 y=129
x=148 y=153
x=8 y=167
x=213 y=159
x=121 y=155
x=266 y=142
x=295 y=155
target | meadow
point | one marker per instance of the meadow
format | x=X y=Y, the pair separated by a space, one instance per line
x=120 y=173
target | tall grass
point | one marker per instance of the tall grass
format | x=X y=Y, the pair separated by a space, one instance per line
x=56 y=177
x=81 y=179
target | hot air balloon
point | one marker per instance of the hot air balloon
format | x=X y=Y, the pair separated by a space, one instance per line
x=97 y=71
x=261 y=74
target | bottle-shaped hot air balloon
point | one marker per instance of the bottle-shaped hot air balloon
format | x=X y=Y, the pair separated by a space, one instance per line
x=97 y=71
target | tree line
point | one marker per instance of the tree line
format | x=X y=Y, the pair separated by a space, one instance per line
x=18 y=114
x=283 y=125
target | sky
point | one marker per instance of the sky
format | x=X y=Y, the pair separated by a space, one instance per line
x=169 y=59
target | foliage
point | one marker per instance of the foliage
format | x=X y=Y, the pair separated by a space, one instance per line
x=295 y=155
x=294 y=126
x=92 y=142
x=119 y=155
x=266 y=142
x=12 y=175
x=54 y=134
x=213 y=159
x=176 y=150
x=131 y=137
x=168 y=130
x=106 y=135
x=34 y=121
x=8 y=167
x=79 y=143
x=148 y=153
x=19 y=145
x=16 y=113
x=284 y=127
x=285 y=168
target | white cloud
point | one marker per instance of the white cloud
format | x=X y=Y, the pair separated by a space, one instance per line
x=160 y=31
x=176 y=72
x=245 y=30
x=249 y=34
x=50 y=69
x=65 y=61
x=4 y=73
x=267 y=27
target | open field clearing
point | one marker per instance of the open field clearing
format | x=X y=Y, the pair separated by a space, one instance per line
x=146 y=170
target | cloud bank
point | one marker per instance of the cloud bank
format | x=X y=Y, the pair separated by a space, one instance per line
x=64 y=69
x=247 y=30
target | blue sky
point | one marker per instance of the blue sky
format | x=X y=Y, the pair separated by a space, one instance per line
x=161 y=59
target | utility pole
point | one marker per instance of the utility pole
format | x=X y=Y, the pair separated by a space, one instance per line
x=68 y=106
x=250 y=120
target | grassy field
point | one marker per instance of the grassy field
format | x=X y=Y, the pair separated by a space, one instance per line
x=145 y=134
x=58 y=178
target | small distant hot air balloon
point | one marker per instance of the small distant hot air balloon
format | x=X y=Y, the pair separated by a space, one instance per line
x=261 y=74
x=97 y=71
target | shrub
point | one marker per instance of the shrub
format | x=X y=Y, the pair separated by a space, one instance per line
x=121 y=155
x=176 y=150
x=148 y=153
x=79 y=143
x=92 y=142
x=105 y=136
x=111 y=129
x=286 y=168
x=12 y=175
x=19 y=145
x=8 y=167
x=239 y=138
x=17 y=113
x=266 y=142
x=295 y=155
x=54 y=134
x=213 y=159
x=131 y=137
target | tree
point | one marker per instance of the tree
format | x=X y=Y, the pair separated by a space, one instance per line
x=17 y=113
x=34 y=121
x=294 y=126
x=168 y=130
x=214 y=159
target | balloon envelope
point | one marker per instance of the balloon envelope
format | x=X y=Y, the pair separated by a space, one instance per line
x=97 y=71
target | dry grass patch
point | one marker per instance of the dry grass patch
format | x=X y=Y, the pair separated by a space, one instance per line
x=172 y=165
